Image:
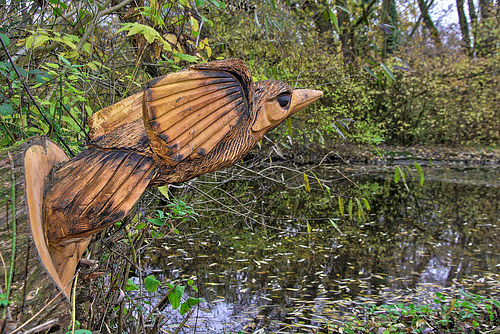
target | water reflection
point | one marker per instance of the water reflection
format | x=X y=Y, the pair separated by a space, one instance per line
x=269 y=257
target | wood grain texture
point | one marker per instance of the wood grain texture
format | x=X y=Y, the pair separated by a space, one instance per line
x=94 y=190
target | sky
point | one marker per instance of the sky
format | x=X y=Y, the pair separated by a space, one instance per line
x=440 y=12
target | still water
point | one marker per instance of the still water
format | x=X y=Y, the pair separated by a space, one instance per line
x=273 y=249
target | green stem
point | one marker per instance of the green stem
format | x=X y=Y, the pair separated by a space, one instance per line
x=14 y=237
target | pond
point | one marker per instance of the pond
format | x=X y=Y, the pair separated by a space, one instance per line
x=274 y=247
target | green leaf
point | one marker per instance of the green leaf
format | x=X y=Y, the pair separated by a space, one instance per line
x=187 y=305
x=367 y=205
x=289 y=125
x=150 y=34
x=151 y=283
x=397 y=175
x=188 y=58
x=388 y=71
x=131 y=286
x=5 y=39
x=174 y=297
x=52 y=65
x=185 y=308
x=306 y=183
x=341 y=206
x=6 y=109
x=164 y=191
x=335 y=226
x=420 y=173
x=350 y=208
x=370 y=72
x=195 y=26
x=80 y=331
x=156 y=221
x=333 y=18
x=36 y=41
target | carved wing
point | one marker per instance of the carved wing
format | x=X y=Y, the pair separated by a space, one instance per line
x=187 y=113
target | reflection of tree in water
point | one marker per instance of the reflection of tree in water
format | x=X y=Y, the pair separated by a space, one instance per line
x=253 y=241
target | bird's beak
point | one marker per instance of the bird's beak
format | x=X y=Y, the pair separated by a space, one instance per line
x=301 y=98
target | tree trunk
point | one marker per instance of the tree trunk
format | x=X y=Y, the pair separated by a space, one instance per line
x=473 y=20
x=429 y=24
x=486 y=37
x=34 y=288
x=390 y=16
x=464 y=26
x=347 y=37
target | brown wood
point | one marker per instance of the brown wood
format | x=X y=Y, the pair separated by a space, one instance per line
x=181 y=126
x=35 y=281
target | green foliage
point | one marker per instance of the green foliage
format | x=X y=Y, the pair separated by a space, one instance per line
x=449 y=315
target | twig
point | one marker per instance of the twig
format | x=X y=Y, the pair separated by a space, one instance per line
x=73 y=306
x=42 y=327
x=43 y=308
x=183 y=322
x=33 y=99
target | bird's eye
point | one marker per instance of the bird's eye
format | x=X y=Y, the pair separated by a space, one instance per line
x=284 y=100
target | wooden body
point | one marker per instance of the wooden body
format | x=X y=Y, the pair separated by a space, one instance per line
x=182 y=125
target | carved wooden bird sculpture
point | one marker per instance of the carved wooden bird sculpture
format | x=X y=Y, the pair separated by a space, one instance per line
x=182 y=125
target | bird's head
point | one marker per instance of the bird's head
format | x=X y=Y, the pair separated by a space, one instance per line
x=274 y=101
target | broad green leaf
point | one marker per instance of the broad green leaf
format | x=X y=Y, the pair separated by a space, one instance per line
x=5 y=39
x=164 y=191
x=194 y=24
x=174 y=297
x=170 y=38
x=150 y=34
x=6 y=109
x=188 y=58
x=185 y=308
x=36 y=41
x=131 y=286
x=86 y=47
x=185 y=3
x=151 y=283
x=156 y=221
x=194 y=301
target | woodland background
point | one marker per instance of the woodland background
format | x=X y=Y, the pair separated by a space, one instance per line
x=389 y=71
